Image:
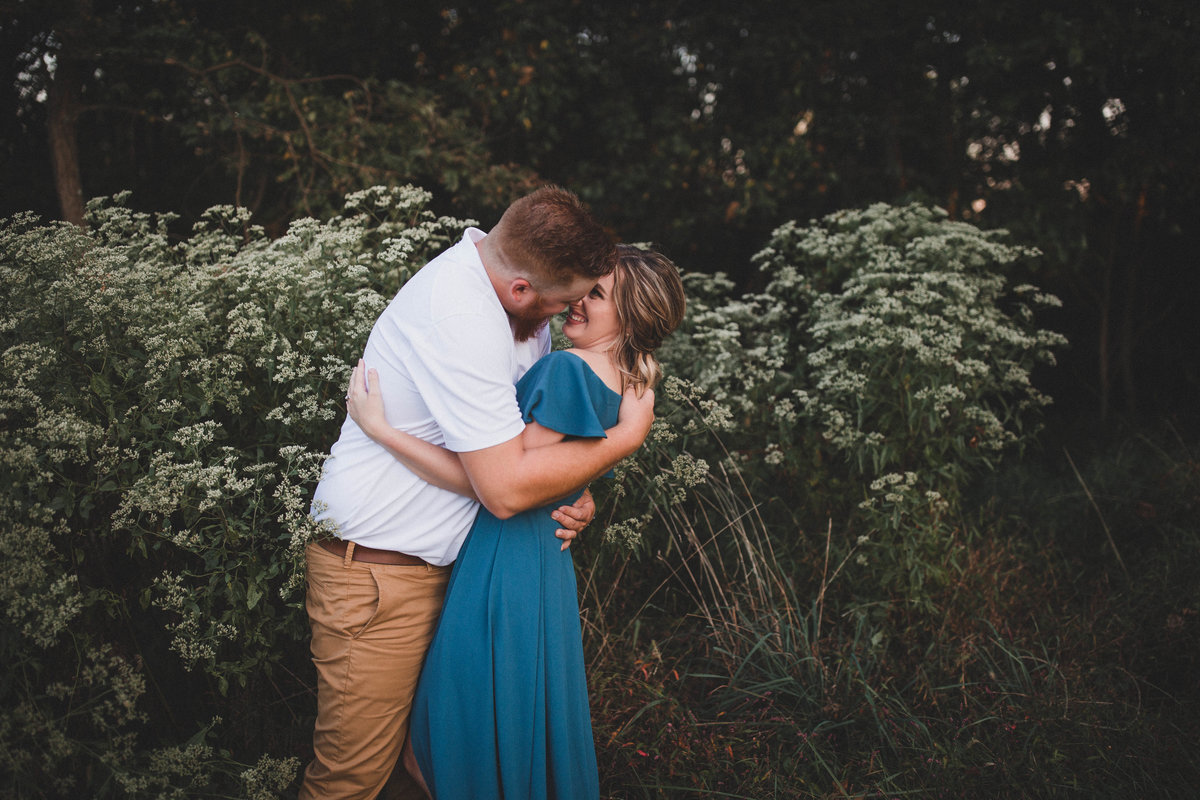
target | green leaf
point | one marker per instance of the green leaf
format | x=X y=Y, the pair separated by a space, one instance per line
x=253 y=594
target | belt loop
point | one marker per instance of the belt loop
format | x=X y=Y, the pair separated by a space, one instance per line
x=349 y=555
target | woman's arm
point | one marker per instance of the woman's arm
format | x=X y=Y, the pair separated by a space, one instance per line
x=441 y=467
x=433 y=464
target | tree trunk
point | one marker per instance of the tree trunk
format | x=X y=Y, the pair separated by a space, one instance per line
x=62 y=107
x=62 y=112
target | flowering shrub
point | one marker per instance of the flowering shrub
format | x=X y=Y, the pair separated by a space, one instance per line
x=917 y=357
x=917 y=361
x=166 y=407
x=883 y=366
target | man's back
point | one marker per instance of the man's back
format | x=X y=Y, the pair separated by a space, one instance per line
x=447 y=361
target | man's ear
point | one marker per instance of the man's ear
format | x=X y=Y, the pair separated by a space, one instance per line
x=521 y=291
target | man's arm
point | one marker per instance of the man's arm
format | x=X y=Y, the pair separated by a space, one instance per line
x=443 y=468
x=508 y=478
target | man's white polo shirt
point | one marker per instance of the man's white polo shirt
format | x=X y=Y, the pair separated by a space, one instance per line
x=447 y=367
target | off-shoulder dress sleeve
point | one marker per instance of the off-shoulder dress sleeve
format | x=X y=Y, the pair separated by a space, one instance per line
x=562 y=393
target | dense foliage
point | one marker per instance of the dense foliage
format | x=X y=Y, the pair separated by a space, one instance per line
x=700 y=125
x=166 y=407
x=836 y=570
x=798 y=569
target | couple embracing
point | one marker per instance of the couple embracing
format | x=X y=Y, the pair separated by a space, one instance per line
x=470 y=444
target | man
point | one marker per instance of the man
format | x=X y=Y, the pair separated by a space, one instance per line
x=449 y=349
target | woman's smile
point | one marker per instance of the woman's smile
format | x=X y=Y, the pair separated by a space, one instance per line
x=591 y=321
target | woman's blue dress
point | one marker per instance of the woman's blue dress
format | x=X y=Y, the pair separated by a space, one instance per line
x=501 y=710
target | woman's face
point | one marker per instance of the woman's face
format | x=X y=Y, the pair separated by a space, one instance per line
x=592 y=322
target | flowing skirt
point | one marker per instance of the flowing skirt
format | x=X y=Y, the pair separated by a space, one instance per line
x=501 y=709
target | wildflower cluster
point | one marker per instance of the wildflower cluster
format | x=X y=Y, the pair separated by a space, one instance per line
x=916 y=355
x=914 y=358
x=886 y=341
x=166 y=406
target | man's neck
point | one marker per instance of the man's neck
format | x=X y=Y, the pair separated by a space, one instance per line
x=495 y=260
x=495 y=264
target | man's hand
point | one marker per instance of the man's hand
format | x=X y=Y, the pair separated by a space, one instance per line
x=574 y=518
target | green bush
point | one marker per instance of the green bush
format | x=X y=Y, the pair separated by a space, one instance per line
x=167 y=403
x=884 y=366
x=166 y=407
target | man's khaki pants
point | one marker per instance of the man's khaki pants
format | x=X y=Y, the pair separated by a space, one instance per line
x=371 y=625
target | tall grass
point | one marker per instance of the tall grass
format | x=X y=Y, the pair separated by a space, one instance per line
x=738 y=672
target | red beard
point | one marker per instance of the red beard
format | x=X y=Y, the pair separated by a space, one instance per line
x=526 y=329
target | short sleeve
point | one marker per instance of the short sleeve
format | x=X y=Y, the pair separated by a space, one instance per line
x=560 y=392
x=462 y=367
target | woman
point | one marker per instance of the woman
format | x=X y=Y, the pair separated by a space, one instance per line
x=502 y=707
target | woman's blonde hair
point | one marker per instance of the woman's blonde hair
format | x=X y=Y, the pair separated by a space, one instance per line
x=648 y=296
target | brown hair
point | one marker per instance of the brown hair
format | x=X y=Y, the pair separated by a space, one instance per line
x=551 y=236
x=648 y=296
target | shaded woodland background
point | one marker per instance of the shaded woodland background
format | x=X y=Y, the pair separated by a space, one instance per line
x=687 y=124
x=819 y=578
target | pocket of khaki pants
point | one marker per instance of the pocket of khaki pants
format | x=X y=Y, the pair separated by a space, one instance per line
x=341 y=600
x=362 y=604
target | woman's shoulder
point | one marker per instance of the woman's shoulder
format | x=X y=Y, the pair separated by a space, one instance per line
x=562 y=392
x=599 y=363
